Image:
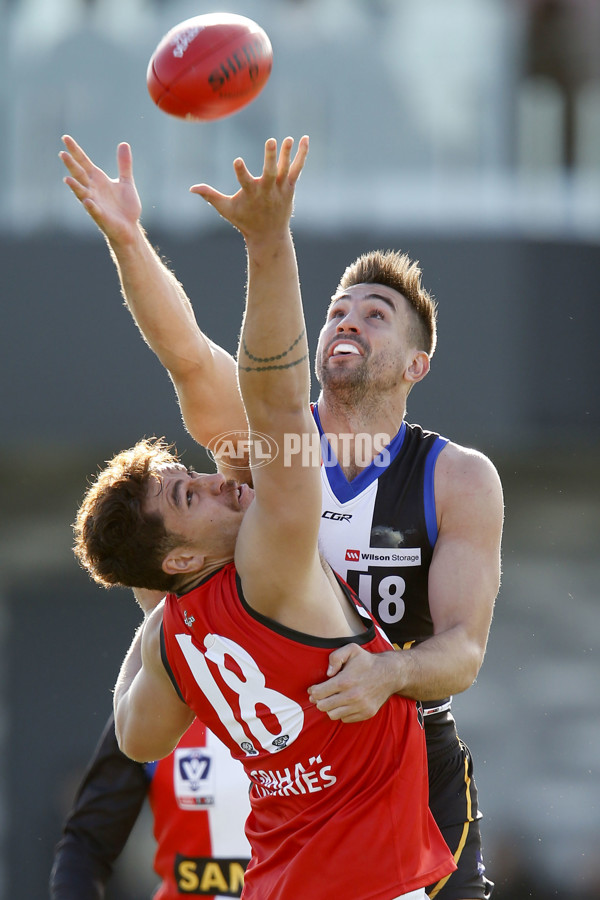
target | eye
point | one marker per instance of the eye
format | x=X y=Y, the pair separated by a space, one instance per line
x=376 y=314
x=336 y=313
x=188 y=497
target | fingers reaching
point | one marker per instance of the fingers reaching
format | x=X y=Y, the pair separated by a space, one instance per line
x=285 y=154
x=76 y=153
x=125 y=162
x=283 y=169
x=210 y=194
x=275 y=169
x=270 y=165
x=113 y=203
x=299 y=159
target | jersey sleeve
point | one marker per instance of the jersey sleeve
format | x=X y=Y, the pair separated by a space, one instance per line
x=106 y=806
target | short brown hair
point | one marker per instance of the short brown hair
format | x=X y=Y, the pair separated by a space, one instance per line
x=116 y=541
x=397 y=271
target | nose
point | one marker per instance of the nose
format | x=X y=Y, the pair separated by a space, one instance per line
x=349 y=323
x=214 y=483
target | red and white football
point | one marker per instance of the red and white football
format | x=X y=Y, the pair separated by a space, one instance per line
x=209 y=66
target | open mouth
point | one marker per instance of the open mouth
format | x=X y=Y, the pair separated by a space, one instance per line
x=345 y=349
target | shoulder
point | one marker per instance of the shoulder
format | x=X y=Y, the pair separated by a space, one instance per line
x=465 y=476
x=465 y=465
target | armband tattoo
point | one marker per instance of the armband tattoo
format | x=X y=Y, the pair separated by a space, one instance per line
x=271 y=359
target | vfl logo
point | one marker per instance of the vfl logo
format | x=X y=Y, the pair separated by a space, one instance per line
x=189 y=620
x=336 y=517
x=281 y=741
x=352 y=555
x=194 y=770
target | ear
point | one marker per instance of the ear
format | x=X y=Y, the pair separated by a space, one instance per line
x=418 y=367
x=183 y=561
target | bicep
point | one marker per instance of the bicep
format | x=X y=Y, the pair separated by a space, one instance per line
x=464 y=576
x=152 y=717
x=463 y=584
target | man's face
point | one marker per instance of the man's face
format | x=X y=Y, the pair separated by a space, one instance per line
x=206 y=511
x=364 y=344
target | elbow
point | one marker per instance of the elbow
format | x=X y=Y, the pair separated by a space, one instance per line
x=472 y=662
x=129 y=742
x=133 y=749
x=123 y=739
x=137 y=741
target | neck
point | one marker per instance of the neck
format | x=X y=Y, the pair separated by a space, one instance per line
x=340 y=417
x=345 y=422
x=191 y=580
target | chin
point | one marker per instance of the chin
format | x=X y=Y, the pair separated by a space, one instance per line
x=352 y=377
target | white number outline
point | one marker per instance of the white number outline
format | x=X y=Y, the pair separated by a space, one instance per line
x=250 y=691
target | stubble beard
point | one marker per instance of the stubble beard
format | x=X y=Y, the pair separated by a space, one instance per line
x=365 y=385
x=347 y=387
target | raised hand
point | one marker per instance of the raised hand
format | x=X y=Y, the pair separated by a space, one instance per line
x=113 y=204
x=263 y=205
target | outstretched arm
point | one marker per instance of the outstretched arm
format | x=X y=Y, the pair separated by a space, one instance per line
x=204 y=374
x=274 y=378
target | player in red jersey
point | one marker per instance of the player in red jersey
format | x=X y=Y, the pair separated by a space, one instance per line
x=198 y=799
x=253 y=612
x=198 y=796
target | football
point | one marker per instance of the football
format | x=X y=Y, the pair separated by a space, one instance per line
x=209 y=67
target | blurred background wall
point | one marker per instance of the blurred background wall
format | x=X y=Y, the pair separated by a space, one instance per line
x=466 y=133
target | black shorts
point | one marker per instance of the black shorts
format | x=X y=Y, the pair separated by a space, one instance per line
x=453 y=803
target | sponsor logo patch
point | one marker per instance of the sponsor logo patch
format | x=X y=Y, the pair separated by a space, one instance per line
x=205 y=876
x=335 y=516
x=411 y=556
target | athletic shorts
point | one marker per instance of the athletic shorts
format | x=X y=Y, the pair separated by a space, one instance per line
x=453 y=803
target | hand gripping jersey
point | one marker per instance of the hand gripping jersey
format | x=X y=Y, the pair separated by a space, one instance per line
x=199 y=800
x=320 y=789
x=379 y=530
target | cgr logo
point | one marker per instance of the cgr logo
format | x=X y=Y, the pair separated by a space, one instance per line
x=352 y=555
x=336 y=517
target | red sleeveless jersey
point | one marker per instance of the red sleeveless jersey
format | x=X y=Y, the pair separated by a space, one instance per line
x=336 y=808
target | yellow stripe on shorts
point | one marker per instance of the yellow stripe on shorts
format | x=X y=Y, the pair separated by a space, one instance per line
x=463 y=838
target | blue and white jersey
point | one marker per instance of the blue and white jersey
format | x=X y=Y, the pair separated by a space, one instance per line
x=379 y=530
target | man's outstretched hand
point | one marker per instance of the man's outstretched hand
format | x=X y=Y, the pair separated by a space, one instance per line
x=113 y=204
x=263 y=205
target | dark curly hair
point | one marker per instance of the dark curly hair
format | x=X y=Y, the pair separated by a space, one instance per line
x=116 y=541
